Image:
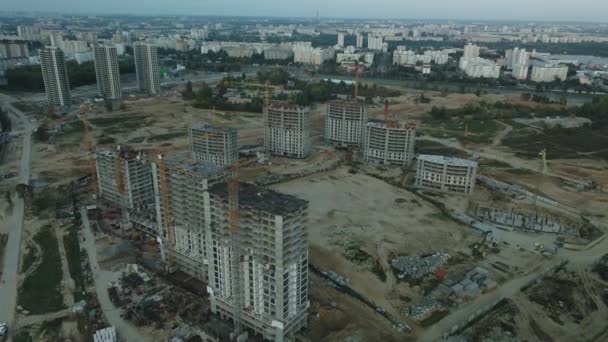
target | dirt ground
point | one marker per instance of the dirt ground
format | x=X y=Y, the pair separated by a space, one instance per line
x=379 y=220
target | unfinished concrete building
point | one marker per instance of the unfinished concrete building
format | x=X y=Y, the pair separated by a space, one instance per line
x=288 y=130
x=446 y=174
x=181 y=189
x=273 y=274
x=124 y=178
x=215 y=145
x=389 y=143
x=344 y=123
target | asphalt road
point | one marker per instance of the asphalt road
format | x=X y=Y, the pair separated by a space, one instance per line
x=10 y=270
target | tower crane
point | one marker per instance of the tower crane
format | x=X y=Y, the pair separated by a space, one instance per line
x=88 y=146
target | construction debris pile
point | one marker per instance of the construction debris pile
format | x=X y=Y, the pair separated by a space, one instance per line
x=147 y=301
x=423 y=309
x=509 y=220
x=418 y=266
x=473 y=283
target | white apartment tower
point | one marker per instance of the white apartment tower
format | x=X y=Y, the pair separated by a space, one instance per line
x=341 y=40
x=288 y=130
x=146 y=68
x=389 y=143
x=107 y=72
x=345 y=122
x=446 y=174
x=359 y=41
x=471 y=51
x=214 y=145
x=183 y=188
x=374 y=42
x=55 y=75
x=272 y=271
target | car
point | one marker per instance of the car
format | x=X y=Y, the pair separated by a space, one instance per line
x=3 y=330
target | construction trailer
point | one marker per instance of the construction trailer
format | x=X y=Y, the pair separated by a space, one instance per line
x=215 y=145
x=288 y=130
x=345 y=123
x=389 y=143
x=180 y=191
x=272 y=263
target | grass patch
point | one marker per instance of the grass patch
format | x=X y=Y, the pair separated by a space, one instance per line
x=23 y=336
x=40 y=292
x=136 y=140
x=73 y=254
x=432 y=147
x=559 y=142
x=478 y=131
x=29 y=259
x=167 y=136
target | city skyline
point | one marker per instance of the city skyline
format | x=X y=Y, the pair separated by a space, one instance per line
x=520 y=10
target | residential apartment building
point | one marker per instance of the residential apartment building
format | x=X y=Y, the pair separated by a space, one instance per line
x=446 y=174
x=13 y=49
x=345 y=122
x=389 y=143
x=549 y=73
x=308 y=55
x=146 y=68
x=471 y=51
x=374 y=42
x=340 y=40
x=266 y=279
x=107 y=72
x=55 y=76
x=479 y=67
x=359 y=43
x=181 y=191
x=215 y=145
x=288 y=130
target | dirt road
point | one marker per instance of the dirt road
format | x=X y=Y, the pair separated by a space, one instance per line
x=126 y=331
x=10 y=269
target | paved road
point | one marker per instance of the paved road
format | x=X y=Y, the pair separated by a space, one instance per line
x=126 y=331
x=10 y=269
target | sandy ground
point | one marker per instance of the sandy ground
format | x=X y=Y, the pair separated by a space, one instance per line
x=357 y=208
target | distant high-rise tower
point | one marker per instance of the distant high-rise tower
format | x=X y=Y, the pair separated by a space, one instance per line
x=146 y=68
x=55 y=75
x=341 y=39
x=107 y=72
x=359 y=41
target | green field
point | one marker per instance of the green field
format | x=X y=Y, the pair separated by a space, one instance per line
x=41 y=291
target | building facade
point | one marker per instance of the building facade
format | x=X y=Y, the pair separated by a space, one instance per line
x=146 y=68
x=345 y=122
x=374 y=42
x=215 y=145
x=288 y=130
x=389 y=143
x=124 y=177
x=107 y=72
x=55 y=75
x=549 y=73
x=13 y=49
x=183 y=188
x=268 y=276
x=446 y=174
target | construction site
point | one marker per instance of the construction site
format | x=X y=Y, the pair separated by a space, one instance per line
x=342 y=220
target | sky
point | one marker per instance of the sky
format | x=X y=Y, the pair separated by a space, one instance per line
x=528 y=10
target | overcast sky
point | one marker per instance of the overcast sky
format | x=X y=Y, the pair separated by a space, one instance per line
x=563 y=10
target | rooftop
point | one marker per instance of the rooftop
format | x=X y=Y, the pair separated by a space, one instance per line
x=207 y=170
x=394 y=124
x=262 y=199
x=287 y=105
x=209 y=128
x=447 y=160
